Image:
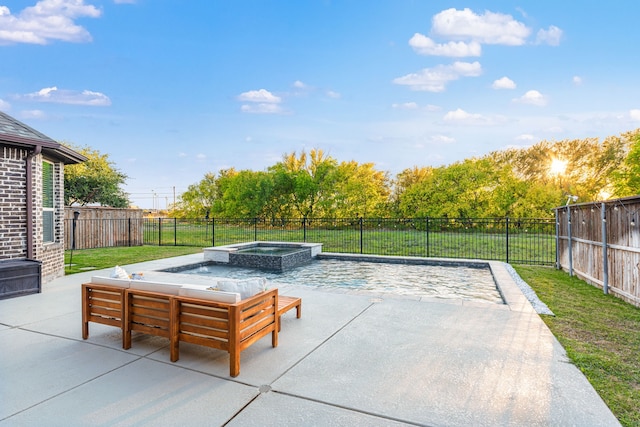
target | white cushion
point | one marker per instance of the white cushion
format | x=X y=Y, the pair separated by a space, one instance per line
x=202 y=292
x=160 y=287
x=247 y=288
x=109 y=281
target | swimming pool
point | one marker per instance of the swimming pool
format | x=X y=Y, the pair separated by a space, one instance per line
x=383 y=278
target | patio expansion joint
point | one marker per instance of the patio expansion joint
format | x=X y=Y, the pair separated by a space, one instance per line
x=70 y=388
x=359 y=411
x=267 y=388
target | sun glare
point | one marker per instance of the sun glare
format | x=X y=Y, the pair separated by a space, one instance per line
x=558 y=166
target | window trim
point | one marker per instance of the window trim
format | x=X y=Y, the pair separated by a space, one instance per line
x=46 y=232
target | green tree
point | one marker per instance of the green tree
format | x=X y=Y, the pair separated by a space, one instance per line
x=590 y=165
x=360 y=190
x=95 y=181
x=305 y=183
x=403 y=181
x=461 y=190
x=626 y=180
x=244 y=194
x=198 y=200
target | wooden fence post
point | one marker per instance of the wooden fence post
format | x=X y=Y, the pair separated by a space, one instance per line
x=605 y=260
x=569 y=240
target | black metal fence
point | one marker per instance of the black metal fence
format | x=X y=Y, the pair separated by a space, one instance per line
x=522 y=241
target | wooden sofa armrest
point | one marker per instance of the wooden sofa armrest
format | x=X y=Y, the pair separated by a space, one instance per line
x=228 y=327
x=102 y=304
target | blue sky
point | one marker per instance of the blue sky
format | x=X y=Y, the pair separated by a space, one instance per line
x=173 y=89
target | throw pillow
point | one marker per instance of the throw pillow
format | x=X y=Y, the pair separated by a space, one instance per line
x=119 y=273
x=246 y=288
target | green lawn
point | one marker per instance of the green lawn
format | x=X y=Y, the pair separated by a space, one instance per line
x=95 y=259
x=530 y=247
x=600 y=333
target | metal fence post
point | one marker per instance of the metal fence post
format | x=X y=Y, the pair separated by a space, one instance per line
x=304 y=229
x=129 y=230
x=255 y=229
x=361 y=235
x=427 y=230
x=175 y=231
x=159 y=231
x=213 y=231
x=506 y=227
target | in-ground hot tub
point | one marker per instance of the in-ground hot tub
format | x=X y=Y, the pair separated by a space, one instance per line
x=276 y=256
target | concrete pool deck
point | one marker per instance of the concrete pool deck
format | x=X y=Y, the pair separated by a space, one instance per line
x=352 y=359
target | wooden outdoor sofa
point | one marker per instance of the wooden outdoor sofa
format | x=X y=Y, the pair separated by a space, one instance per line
x=187 y=313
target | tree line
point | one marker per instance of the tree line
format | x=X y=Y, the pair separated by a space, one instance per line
x=516 y=182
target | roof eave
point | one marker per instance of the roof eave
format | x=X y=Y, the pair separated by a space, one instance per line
x=51 y=149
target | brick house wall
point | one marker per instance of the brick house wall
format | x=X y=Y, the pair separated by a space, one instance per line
x=22 y=214
x=13 y=211
x=13 y=193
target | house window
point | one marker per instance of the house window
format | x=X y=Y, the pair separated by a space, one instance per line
x=47 y=201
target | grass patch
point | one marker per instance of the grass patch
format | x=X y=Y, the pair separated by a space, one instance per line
x=600 y=333
x=100 y=258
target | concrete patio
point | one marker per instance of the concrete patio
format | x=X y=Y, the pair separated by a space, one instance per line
x=351 y=360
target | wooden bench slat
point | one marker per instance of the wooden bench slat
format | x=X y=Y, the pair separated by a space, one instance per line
x=214 y=323
x=150 y=330
x=106 y=321
x=205 y=311
x=106 y=312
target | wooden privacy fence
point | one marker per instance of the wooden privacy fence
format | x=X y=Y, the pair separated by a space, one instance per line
x=600 y=243
x=101 y=227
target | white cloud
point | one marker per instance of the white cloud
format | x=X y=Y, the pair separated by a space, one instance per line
x=182 y=154
x=201 y=156
x=32 y=114
x=462 y=117
x=435 y=79
x=551 y=36
x=425 y=46
x=333 y=94
x=262 y=96
x=577 y=80
x=4 y=105
x=488 y=28
x=72 y=97
x=46 y=21
x=442 y=139
x=504 y=83
x=261 y=108
x=299 y=85
x=405 y=106
x=634 y=114
x=525 y=137
x=532 y=97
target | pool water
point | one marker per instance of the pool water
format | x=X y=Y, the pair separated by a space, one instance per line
x=457 y=282
x=268 y=250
